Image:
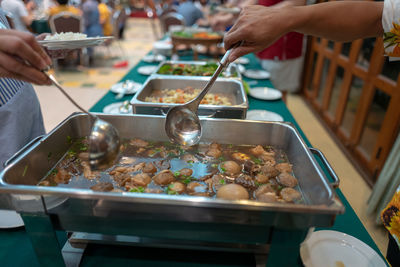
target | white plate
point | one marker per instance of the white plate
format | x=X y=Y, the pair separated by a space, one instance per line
x=153 y=58
x=332 y=248
x=265 y=93
x=74 y=44
x=10 y=219
x=147 y=70
x=257 y=74
x=241 y=68
x=242 y=60
x=131 y=87
x=263 y=115
x=114 y=108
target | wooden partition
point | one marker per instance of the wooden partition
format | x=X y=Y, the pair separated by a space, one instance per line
x=356 y=91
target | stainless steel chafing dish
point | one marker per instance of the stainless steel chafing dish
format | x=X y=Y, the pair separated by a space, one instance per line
x=162 y=216
x=230 y=87
x=232 y=73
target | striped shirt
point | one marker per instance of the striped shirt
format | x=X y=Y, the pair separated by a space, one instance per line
x=8 y=87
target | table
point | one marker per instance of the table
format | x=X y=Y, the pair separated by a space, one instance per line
x=40 y=26
x=16 y=250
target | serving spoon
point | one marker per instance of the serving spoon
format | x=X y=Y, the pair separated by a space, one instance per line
x=182 y=124
x=104 y=141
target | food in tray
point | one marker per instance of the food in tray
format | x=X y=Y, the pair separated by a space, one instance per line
x=65 y=36
x=225 y=171
x=180 y=96
x=197 y=35
x=193 y=70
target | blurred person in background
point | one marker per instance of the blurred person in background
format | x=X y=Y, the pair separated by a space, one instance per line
x=284 y=58
x=189 y=11
x=105 y=18
x=91 y=18
x=22 y=17
x=63 y=6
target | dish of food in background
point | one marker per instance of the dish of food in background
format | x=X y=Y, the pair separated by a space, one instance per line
x=10 y=219
x=242 y=60
x=118 y=108
x=153 y=58
x=257 y=74
x=127 y=87
x=225 y=171
x=207 y=69
x=191 y=34
x=71 y=40
x=163 y=47
x=332 y=248
x=265 y=93
x=180 y=96
x=263 y=115
x=231 y=10
x=146 y=70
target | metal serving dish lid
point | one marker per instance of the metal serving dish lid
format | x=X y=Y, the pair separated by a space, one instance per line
x=33 y=163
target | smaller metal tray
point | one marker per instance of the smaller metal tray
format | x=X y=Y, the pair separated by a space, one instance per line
x=231 y=87
x=233 y=71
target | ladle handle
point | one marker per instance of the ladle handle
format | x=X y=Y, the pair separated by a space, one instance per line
x=222 y=64
x=51 y=77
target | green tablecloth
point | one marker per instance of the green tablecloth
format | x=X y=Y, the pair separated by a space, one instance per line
x=16 y=250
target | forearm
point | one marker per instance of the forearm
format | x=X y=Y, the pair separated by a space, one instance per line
x=338 y=21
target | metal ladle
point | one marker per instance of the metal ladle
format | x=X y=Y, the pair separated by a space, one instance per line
x=104 y=142
x=182 y=124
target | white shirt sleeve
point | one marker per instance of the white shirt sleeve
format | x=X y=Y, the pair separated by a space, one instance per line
x=23 y=12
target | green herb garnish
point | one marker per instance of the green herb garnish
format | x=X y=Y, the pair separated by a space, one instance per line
x=214 y=165
x=256 y=160
x=25 y=169
x=177 y=173
x=221 y=158
x=257 y=183
x=223 y=169
x=139 y=189
x=222 y=181
x=187 y=180
x=69 y=139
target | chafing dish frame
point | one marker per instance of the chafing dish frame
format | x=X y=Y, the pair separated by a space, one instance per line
x=182 y=217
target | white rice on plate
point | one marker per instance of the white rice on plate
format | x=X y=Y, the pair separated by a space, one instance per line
x=66 y=36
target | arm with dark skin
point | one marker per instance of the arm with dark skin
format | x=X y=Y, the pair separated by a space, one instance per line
x=343 y=21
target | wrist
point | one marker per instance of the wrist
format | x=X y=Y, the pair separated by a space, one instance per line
x=296 y=18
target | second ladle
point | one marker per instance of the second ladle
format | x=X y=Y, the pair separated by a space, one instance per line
x=104 y=141
x=182 y=124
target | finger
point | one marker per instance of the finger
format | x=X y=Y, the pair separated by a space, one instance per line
x=231 y=38
x=42 y=36
x=31 y=41
x=240 y=51
x=13 y=45
x=16 y=67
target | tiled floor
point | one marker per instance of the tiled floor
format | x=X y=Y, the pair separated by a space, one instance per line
x=87 y=86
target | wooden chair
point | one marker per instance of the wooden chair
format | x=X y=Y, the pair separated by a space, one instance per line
x=68 y=22
x=169 y=19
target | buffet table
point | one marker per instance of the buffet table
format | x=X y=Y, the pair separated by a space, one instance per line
x=16 y=248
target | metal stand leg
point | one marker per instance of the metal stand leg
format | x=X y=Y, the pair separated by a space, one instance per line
x=73 y=254
x=44 y=239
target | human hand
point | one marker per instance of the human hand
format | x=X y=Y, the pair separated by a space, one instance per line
x=258 y=27
x=22 y=58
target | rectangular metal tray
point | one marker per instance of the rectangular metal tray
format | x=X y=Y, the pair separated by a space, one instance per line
x=115 y=213
x=231 y=87
x=233 y=68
